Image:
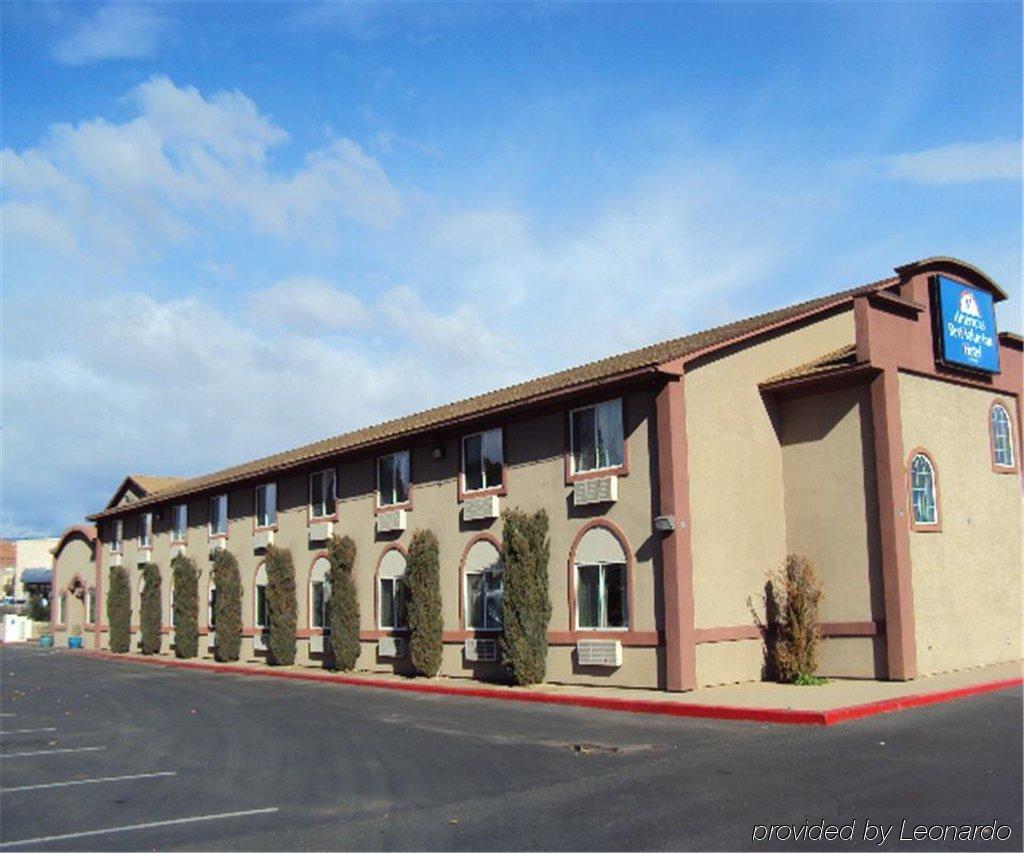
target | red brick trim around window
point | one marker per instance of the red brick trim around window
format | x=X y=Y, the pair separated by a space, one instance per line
x=623 y=541
x=1014 y=448
x=377 y=630
x=915 y=525
x=617 y=471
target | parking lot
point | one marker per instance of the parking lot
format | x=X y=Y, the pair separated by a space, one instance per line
x=99 y=754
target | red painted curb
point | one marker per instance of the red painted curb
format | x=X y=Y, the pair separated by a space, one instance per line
x=639 y=706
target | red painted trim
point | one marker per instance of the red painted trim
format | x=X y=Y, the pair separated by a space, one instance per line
x=627 y=638
x=1014 y=446
x=480 y=537
x=460 y=475
x=676 y=550
x=918 y=526
x=623 y=541
x=604 y=703
x=86 y=531
x=616 y=471
x=394 y=546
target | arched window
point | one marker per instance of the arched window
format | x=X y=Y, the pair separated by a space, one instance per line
x=483 y=588
x=600 y=565
x=1002 y=437
x=62 y=609
x=261 y=617
x=922 y=491
x=391 y=590
x=90 y=612
x=320 y=594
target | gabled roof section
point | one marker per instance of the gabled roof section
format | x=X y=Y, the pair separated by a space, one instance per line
x=845 y=356
x=646 y=360
x=141 y=486
x=83 y=531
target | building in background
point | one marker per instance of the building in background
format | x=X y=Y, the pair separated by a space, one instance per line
x=21 y=556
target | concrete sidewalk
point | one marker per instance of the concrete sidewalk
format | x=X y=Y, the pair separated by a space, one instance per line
x=836 y=701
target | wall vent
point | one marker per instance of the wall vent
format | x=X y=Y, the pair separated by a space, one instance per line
x=599 y=653
x=599 y=490
x=391 y=647
x=481 y=651
x=391 y=521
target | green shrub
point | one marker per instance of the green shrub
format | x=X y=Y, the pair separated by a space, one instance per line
x=341 y=552
x=423 y=586
x=228 y=607
x=794 y=598
x=281 y=606
x=38 y=608
x=119 y=609
x=149 y=609
x=186 y=606
x=526 y=604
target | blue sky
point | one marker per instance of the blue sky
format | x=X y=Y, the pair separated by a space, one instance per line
x=233 y=228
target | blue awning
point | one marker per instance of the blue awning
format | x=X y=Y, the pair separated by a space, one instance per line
x=35 y=576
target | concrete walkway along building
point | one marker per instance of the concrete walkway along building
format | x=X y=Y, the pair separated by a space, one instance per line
x=875 y=431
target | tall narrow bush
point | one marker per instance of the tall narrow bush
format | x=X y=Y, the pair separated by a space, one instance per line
x=119 y=609
x=795 y=596
x=423 y=586
x=281 y=606
x=228 y=606
x=185 y=577
x=341 y=552
x=526 y=603
x=150 y=612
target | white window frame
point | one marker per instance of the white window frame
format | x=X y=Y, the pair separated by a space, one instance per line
x=270 y=507
x=1007 y=424
x=221 y=502
x=602 y=596
x=325 y=581
x=934 y=521
x=256 y=601
x=393 y=580
x=90 y=606
x=617 y=403
x=331 y=505
x=146 y=531
x=486 y=487
x=487 y=576
x=117 y=536
x=408 y=477
x=62 y=608
x=179 y=534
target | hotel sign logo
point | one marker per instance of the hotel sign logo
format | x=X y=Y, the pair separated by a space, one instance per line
x=965 y=320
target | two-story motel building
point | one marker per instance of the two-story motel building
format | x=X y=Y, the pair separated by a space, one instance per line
x=875 y=431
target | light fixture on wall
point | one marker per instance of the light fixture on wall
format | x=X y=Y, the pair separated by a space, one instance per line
x=438 y=451
x=665 y=523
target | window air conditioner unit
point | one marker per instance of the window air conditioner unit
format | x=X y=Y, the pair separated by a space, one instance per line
x=599 y=490
x=481 y=651
x=143 y=556
x=599 y=653
x=391 y=647
x=477 y=509
x=115 y=558
x=391 y=521
x=262 y=539
x=176 y=550
x=320 y=531
x=259 y=641
x=217 y=545
x=317 y=642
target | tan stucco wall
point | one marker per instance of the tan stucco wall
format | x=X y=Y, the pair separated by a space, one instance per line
x=966 y=578
x=534 y=449
x=737 y=489
x=76 y=557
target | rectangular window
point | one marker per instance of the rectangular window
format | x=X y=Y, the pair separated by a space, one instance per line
x=482 y=461
x=320 y=605
x=262 y=615
x=90 y=605
x=483 y=600
x=219 y=515
x=597 y=436
x=146 y=530
x=211 y=620
x=62 y=609
x=392 y=603
x=266 y=505
x=116 y=535
x=322 y=493
x=601 y=596
x=179 y=522
x=393 y=479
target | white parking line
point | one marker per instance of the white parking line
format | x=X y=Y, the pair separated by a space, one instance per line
x=88 y=781
x=27 y=731
x=8 y=715
x=44 y=838
x=52 y=751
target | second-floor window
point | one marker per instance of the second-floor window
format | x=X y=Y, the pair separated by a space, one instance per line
x=116 y=535
x=1002 y=437
x=322 y=493
x=482 y=461
x=596 y=435
x=146 y=530
x=393 y=478
x=179 y=522
x=219 y=515
x=266 y=505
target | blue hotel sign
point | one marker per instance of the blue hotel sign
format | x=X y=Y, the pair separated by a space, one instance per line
x=967 y=334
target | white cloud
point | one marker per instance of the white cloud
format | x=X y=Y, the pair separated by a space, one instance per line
x=307 y=305
x=957 y=163
x=115 y=31
x=187 y=163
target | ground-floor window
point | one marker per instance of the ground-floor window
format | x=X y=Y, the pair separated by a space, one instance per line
x=262 y=615
x=320 y=595
x=601 y=596
x=211 y=616
x=90 y=605
x=483 y=586
x=391 y=592
x=62 y=609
